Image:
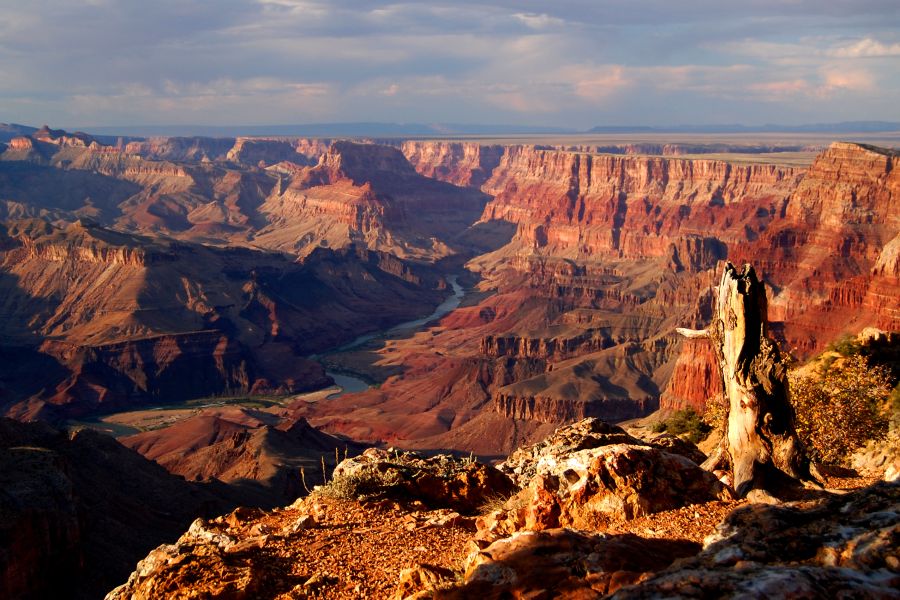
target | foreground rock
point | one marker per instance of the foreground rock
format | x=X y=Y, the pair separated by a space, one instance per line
x=589 y=489
x=564 y=562
x=592 y=474
x=676 y=445
x=843 y=546
x=391 y=541
x=525 y=463
x=880 y=458
x=439 y=482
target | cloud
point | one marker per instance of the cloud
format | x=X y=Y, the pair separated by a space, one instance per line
x=839 y=77
x=866 y=48
x=830 y=80
x=812 y=50
x=780 y=89
x=73 y=62
x=598 y=82
x=174 y=102
x=538 y=21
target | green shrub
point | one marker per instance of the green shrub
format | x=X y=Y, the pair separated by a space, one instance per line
x=841 y=407
x=685 y=423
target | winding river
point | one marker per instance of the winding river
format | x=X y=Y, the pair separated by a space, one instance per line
x=346 y=381
x=350 y=384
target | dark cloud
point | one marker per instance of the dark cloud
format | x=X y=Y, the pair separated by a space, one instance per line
x=574 y=63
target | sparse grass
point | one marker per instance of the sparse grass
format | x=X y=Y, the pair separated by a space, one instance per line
x=846 y=345
x=502 y=502
x=493 y=503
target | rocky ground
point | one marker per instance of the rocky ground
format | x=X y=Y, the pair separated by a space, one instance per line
x=328 y=548
x=400 y=525
x=318 y=547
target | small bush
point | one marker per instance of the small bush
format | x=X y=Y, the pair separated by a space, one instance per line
x=841 y=407
x=685 y=423
x=364 y=483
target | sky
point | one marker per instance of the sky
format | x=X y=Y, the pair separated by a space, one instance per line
x=575 y=64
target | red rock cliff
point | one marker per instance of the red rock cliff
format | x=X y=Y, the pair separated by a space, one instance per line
x=629 y=206
x=459 y=163
x=695 y=379
x=832 y=259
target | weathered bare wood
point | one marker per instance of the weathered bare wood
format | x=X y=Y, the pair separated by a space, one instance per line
x=693 y=334
x=760 y=443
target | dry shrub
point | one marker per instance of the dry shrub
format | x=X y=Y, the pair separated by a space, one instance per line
x=715 y=414
x=841 y=407
x=363 y=484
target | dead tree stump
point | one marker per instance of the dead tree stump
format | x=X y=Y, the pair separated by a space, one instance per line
x=760 y=445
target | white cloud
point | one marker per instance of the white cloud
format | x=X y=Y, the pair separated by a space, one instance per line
x=865 y=48
x=840 y=77
x=538 y=20
x=595 y=83
x=812 y=49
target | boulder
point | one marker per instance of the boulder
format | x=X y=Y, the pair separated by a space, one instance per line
x=880 y=458
x=203 y=555
x=441 y=481
x=754 y=581
x=588 y=489
x=523 y=464
x=422 y=581
x=676 y=445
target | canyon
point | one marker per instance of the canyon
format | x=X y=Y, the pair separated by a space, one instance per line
x=123 y=319
x=200 y=297
x=129 y=266
x=610 y=253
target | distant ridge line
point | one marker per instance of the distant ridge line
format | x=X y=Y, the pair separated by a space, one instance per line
x=365 y=129
x=842 y=127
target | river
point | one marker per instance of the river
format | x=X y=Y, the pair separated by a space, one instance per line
x=346 y=381
x=350 y=384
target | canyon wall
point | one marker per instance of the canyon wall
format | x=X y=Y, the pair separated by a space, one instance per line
x=459 y=163
x=126 y=320
x=571 y=204
x=587 y=262
x=695 y=379
x=829 y=259
x=369 y=194
x=194 y=149
x=823 y=239
x=613 y=252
